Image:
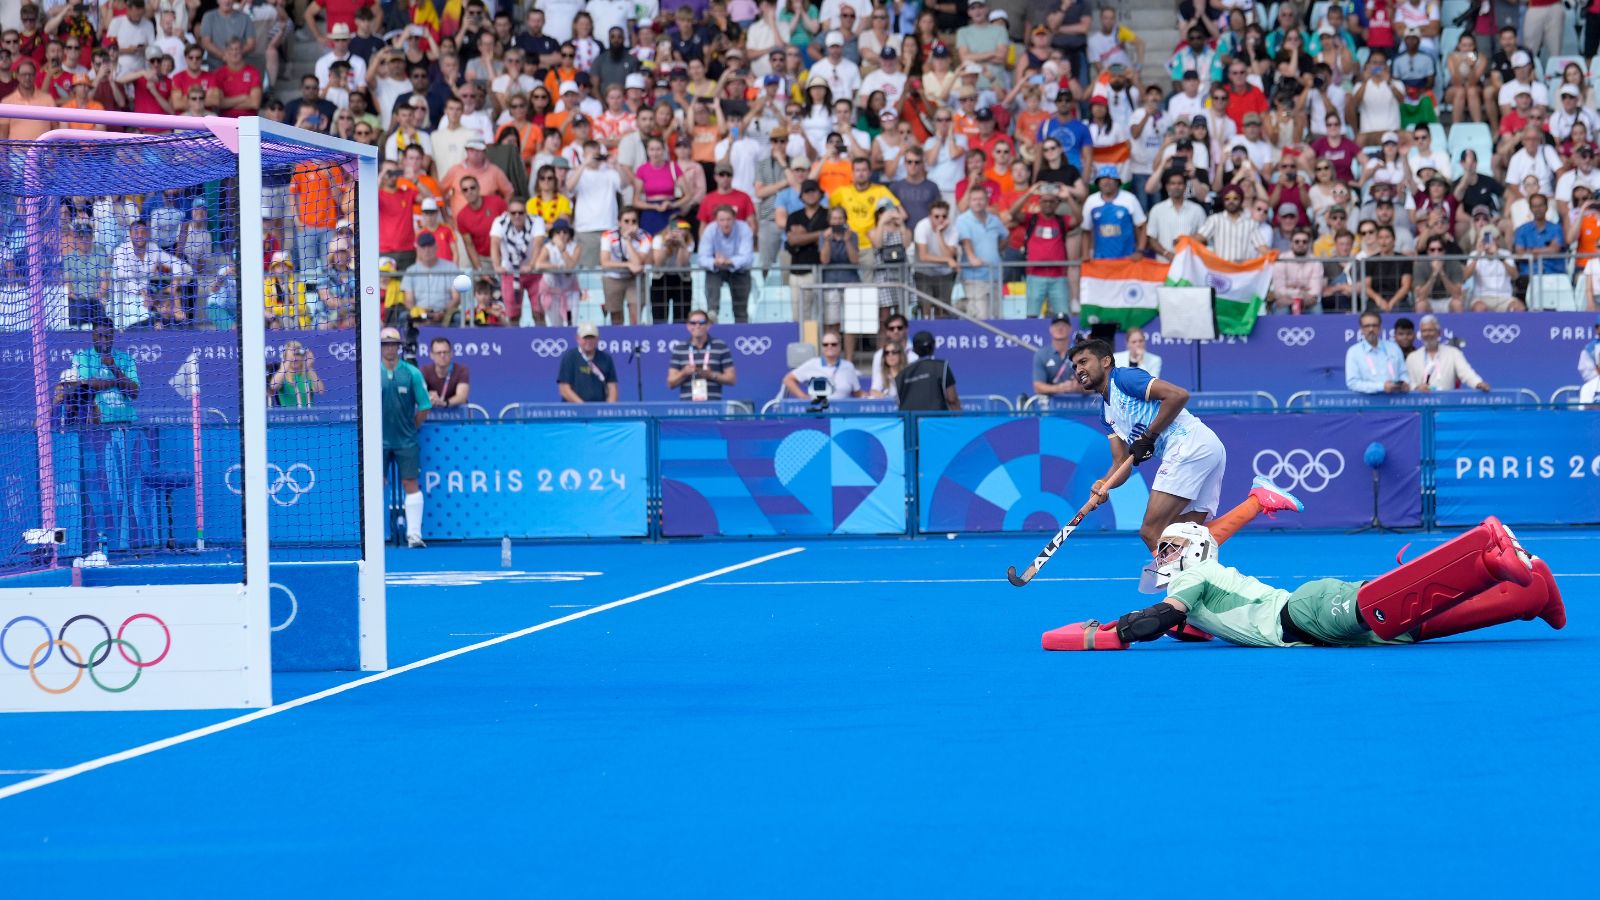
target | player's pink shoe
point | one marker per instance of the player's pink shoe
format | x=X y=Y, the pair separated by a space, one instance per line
x=1274 y=499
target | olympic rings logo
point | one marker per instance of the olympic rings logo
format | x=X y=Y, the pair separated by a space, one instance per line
x=1303 y=470
x=343 y=351
x=1501 y=334
x=548 y=347
x=298 y=480
x=1296 y=337
x=752 y=346
x=73 y=657
x=145 y=353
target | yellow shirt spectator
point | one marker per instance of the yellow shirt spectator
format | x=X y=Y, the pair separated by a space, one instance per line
x=861 y=207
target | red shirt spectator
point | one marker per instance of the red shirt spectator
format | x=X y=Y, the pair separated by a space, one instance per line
x=395 y=231
x=1046 y=236
x=186 y=77
x=238 y=84
x=989 y=187
x=475 y=221
x=743 y=207
x=1244 y=98
x=144 y=95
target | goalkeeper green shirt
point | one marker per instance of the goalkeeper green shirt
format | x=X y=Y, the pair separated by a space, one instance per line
x=1242 y=610
x=404 y=393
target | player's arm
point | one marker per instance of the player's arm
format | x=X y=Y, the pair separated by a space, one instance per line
x=1172 y=399
x=1146 y=624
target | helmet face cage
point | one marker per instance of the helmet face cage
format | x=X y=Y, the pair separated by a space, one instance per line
x=1181 y=546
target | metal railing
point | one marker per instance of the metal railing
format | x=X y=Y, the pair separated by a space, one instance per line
x=1344 y=399
x=792 y=406
x=665 y=294
x=1199 y=401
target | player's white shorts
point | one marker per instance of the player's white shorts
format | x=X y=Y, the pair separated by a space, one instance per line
x=1192 y=468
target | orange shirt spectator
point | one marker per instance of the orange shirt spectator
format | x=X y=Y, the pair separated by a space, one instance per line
x=833 y=174
x=316 y=188
x=27 y=95
x=80 y=99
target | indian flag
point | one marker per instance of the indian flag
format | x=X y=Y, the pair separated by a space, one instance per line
x=1240 y=287
x=1122 y=291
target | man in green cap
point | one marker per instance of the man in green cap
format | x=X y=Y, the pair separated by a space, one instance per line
x=405 y=408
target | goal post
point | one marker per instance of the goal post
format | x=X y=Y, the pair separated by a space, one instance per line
x=153 y=325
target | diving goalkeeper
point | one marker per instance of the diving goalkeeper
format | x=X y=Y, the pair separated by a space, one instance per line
x=1481 y=578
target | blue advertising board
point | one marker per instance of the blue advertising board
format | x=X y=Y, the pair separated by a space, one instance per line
x=1018 y=473
x=1024 y=473
x=1525 y=466
x=536 y=479
x=811 y=476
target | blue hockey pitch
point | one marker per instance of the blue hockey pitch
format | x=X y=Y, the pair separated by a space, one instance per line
x=855 y=718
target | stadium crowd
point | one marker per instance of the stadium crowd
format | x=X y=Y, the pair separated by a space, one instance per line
x=1396 y=155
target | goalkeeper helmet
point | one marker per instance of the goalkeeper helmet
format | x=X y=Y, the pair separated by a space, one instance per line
x=1182 y=546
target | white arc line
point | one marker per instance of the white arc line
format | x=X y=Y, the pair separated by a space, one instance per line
x=22 y=787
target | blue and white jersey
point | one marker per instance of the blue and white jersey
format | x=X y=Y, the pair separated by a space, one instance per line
x=1127 y=410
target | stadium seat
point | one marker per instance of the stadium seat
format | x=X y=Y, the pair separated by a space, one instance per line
x=1318 y=11
x=1472 y=136
x=1554 y=65
x=1553 y=292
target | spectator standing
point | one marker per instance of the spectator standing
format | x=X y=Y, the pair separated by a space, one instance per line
x=1387 y=284
x=986 y=41
x=1589 y=358
x=804 y=229
x=339 y=37
x=26 y=94
x=1437 y=280
x=927 y=385
x=982 y=234
x=1374 y=365
x=1113 y=221
x=594 y=187
x=944 y=152
x=938 y=244
x=1297 y=277
x=624 y=254
x=916 y=192
x=1541 y=239
x=396 y=232
x=513 y=241
x=449 y=382
x=841 y=261
x=725 y=194
x=1230 y=233
x=559 y=258
x=1492 y=271
x=1044 y=241
x=586 y=373
x=1173 y=217
x=703 y=365
x=427 y=285
x=1438 y=366
x=727 y=252
x=860 y=200
x=405 y=408
x=475 y=218
x=236 y=85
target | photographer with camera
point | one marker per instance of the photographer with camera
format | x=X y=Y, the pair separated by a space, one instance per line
x=1493 y=273
x=826 y=377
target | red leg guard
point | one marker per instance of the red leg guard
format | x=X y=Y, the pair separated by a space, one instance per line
x=1396 y=602
x=1505 y=602
x=1090 y=635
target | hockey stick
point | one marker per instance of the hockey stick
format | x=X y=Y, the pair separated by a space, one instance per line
x=1060 y=537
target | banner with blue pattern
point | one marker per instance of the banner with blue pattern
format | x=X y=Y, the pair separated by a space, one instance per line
x=810 y=476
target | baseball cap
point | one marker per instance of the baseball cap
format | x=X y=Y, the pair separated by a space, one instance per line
x=809 y=185
x=771 y=80
x=390 y=336
x=985 y=115
x=154 y=52
x=941 y=51
x=1390 y=137
x=1098 y=100
x=475 y=144
x=998 y=15
x=568 y=87
x=888 y=53
x=1520 y=59
x=799 y=162
x=588 y=329
x=1337 y=209
x=1570 y=90
x=722 y=168
x=834 y=39
x=971 y=69
x=582 y=80
x=922 y=343
x=1482 y=210
x=1190 y=75
x=1061 y=318
x=888 y=113
x=1289 y=209
x=1107 y=172
x=418 y=102
x=426 y=239
x=635 y=80
x=1199 y=120
x=430 y=205
x=1252 y=118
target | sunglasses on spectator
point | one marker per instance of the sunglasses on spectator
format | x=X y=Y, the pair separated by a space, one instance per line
x=697 y=321
x=895 y=328
x=830 y=343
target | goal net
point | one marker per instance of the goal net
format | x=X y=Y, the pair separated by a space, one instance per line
x=180 y=358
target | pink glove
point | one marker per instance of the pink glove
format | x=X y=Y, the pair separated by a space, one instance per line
x=1090 y=635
